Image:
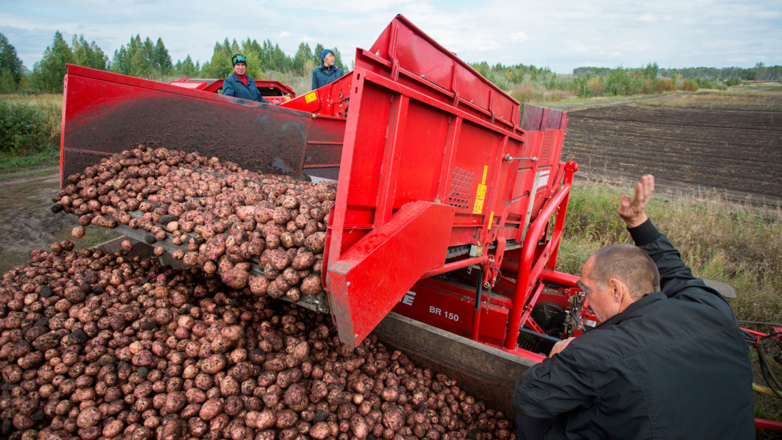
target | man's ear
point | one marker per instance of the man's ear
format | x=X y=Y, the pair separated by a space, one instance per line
x=618 y=289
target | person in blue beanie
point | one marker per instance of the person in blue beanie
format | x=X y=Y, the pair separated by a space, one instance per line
x=327 y=72
x=239 y=84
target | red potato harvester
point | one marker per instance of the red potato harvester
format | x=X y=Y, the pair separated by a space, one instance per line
x=450 y=202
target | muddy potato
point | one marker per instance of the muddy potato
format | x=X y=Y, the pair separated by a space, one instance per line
x=311 y=285
x=259 y=285
x=303 y=260
x=393 y=418
x=279 y=259
x=211 y=409
x=320 y=431
x=78 y=232
x=286 y=418
x=264 y=419
x=213 y=364
x=316 y=242
x=236 y=278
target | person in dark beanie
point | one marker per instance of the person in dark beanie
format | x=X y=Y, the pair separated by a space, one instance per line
x=239 y=84
x=327 y=72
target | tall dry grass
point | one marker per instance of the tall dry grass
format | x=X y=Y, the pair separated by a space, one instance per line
x=735 y=243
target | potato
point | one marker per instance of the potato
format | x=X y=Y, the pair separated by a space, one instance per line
x=78 y=232
x=213 y=364
x=236 y=278
x=393 y=418
x=233 y=405
x=296 y=397
x=89 y=417
x=320 y=431
x=274 y=292
x=311 y=285
x=211 y=409
x=291 y=276
x=279 y=259
x=303 y=260
x=316 y=242
x=286 y=419
x=259 y=285
x=294 y=294
x=175 y=401
x=264 y=420
x=275 y=364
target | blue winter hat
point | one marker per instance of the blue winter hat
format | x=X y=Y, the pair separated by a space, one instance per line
x=324 y=53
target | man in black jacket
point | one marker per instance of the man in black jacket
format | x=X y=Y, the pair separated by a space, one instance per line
x=668 y=360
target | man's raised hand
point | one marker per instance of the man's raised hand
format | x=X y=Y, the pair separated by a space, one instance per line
x=633 y=212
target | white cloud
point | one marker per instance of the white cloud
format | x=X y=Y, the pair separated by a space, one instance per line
x=284 y=34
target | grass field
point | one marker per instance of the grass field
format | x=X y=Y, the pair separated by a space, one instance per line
x=41 y=154
x=766 y=96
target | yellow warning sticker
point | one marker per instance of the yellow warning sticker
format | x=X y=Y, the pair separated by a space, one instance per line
x=309 y=97
x=478 y=207
x=491 y=220
x=481 y=192
x=479 y=196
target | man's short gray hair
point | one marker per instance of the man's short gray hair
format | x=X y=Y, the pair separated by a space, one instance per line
x=629 y=264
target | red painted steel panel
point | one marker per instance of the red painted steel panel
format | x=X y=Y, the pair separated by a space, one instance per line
x=107 y=113
x=450 y=307
x=407 y=47
x=421 y=152
x=371 y=277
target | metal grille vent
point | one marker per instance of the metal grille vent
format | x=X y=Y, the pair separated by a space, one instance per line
x=461 y=185
x=546 y=149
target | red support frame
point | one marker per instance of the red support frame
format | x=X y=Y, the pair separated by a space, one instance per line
x=530 y=269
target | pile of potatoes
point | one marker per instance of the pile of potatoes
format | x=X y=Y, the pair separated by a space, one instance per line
x=100 y=345
x=220 y=216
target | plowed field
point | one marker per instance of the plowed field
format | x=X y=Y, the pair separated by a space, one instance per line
x=736 y=150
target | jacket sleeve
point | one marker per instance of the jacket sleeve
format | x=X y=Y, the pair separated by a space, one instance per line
x=228 y=87
x=315 y=81
x=555 y=386
x=676 y=279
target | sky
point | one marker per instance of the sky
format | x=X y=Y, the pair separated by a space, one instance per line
x=561 y=34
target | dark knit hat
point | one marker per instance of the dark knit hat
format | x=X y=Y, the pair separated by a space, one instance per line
x=239 y=58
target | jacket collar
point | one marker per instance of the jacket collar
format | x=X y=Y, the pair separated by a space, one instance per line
x=632 y=308
x=249 y=79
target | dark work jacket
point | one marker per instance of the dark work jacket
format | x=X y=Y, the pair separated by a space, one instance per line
x=673 y=365
x=233 y=86
x=322 y=76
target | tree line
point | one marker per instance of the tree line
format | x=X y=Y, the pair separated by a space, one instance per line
x=759 y=72
x=151 y=60
x=145 y=59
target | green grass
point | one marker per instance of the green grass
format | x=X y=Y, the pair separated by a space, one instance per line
x=31 y=136
x=735 y=98
x=13 y=163
x=735 y=243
